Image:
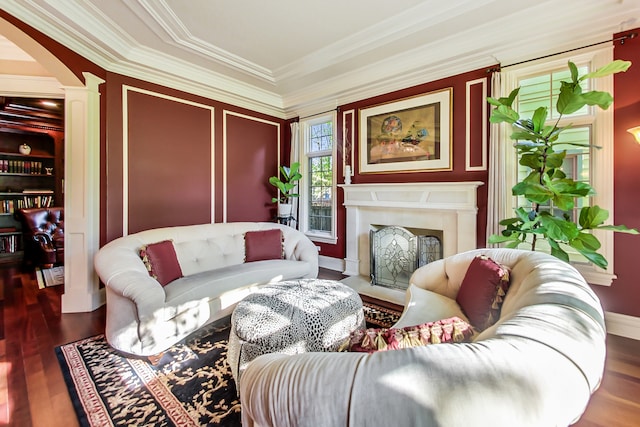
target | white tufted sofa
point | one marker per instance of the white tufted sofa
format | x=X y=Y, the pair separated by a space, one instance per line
x=537 y=366
x=144 y=318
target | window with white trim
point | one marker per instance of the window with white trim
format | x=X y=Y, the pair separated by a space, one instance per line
x=318 y=187
x=540 y=85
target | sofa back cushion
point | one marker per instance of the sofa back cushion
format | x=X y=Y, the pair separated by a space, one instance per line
x=210 y=253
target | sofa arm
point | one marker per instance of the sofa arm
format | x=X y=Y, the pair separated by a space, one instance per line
x=125 y=274
x=433 y=277
x=298 y=247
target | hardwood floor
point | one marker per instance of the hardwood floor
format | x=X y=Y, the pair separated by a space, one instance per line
x=33 y=392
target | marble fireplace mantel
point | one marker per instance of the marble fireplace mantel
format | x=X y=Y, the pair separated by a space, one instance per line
x=447 y=206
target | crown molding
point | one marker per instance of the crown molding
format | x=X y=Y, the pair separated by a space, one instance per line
x=143 y=63
x=176 y=33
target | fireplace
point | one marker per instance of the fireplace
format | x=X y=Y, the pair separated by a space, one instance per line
x=396 y=252
x=447 y=207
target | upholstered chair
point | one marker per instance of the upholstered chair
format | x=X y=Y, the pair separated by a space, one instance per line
x=43 y=233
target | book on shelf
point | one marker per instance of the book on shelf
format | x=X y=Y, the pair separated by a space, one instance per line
x=8 y=230
x=7 y=206
x=9 y=244
x=21 y=166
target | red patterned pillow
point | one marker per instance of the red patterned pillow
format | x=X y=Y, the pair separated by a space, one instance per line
x=448 y=330
x=482 y=291
x=161 y=261
x=263 y=245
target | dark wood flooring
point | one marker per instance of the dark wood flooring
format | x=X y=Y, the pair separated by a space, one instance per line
x=33 y=392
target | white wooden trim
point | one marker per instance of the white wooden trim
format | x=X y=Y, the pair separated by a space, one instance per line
x=82 y=196
x=346 y=137
x=622 y=325
x=330 y=263
x=483 y=165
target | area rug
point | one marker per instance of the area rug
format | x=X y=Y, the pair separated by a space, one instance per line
x=48 y=277
x=190 y=386
x=377 y=315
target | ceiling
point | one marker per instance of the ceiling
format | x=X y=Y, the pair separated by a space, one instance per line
x=292 y=57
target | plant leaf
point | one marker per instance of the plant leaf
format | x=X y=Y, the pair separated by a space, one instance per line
x=534 y=192
x=558 y=228
x=601 y=99
x=618 y=228
x=585 y=241
x=504 y=113
x=557 y=251
x=613 y=67
x=595 y=258
x=539 y=118
x=592 y=216
x=570 y=98
x=574 y=72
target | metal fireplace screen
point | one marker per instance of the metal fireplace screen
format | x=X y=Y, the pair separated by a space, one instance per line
x=397 y=252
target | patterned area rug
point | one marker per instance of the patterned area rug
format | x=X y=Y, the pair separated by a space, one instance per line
x=377 y=315
x=190 y=386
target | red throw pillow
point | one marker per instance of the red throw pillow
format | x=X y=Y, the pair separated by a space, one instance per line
x=370 y=340
x=263 y=245
x=482 y=291
x=161 y=261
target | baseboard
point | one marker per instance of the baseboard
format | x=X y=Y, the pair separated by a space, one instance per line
x=623 y=325
x=335 y=264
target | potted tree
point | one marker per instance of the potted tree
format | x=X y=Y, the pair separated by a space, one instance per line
x=286 y=187
x=536 y=144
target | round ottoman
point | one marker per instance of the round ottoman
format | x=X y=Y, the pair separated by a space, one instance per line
x=292 y=317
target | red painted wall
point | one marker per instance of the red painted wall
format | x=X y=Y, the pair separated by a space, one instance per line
x=169 y=151
x=250 y=163
x=624 y=294
x=170 y=159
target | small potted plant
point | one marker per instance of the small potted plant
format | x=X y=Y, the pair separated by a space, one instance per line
x=286 y=186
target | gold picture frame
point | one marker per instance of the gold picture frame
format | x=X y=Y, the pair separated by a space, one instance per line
x=409 y=135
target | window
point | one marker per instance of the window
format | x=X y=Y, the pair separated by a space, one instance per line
x=540 y=86
x=317 y=205
x=542 y=91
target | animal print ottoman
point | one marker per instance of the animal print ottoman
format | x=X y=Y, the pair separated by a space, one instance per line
x=292 y=317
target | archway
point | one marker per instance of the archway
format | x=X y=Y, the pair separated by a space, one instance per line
x=81 y=189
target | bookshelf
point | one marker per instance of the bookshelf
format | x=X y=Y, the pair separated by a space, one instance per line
x=26 y=181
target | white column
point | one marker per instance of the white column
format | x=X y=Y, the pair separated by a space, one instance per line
x=82 y=196
x=352 y=260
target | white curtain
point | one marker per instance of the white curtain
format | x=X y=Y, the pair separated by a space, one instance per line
x=499 y=148
x=295 y=157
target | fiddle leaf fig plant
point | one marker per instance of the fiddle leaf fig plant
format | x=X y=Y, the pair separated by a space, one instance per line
x=539 y=149
x=288 y=183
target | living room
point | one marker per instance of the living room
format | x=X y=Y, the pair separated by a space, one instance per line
x=211 y=151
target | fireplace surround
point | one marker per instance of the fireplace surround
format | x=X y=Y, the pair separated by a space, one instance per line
x=447 y=206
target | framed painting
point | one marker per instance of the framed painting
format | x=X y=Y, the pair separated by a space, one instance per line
x=408 y=135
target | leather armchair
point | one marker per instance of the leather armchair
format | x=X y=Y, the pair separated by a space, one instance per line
x=43 y=233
